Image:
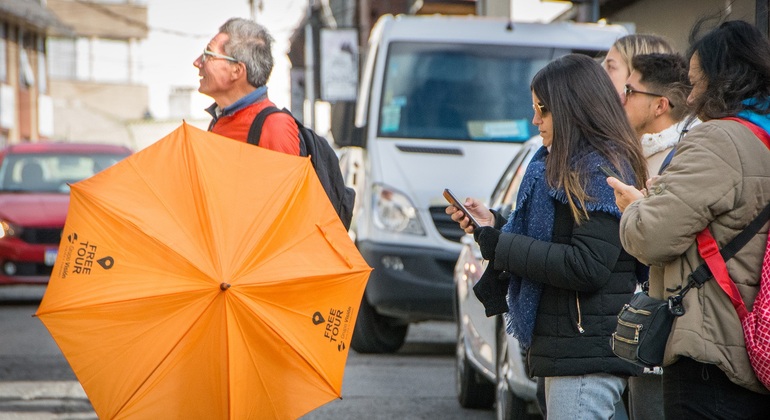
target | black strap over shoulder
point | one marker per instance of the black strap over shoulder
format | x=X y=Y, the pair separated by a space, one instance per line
x=703 y=274
x=255 y=132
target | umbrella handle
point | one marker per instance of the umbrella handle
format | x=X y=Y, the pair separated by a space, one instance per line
x=331 y=243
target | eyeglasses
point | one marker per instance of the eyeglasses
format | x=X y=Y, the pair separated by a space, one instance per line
x=628 y=91
x=213 y=55
x=540 y=109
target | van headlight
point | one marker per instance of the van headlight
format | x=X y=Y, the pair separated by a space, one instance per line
x=8 y=229
x=393 y=212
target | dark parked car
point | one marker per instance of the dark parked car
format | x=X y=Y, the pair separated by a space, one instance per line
x=34 y=197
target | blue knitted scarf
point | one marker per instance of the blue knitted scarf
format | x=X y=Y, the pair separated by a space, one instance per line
x=534 y=217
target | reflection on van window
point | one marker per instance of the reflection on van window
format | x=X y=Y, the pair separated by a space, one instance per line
x=460 y=92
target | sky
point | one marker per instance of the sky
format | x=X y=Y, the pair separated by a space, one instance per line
x=180 y=29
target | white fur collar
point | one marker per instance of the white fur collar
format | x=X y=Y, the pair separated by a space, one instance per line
x=655 y=142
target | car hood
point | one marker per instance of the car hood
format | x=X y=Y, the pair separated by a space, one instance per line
x=34 y=209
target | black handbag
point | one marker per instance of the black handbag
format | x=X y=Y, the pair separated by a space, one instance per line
x=644 y=323
x=643 y=327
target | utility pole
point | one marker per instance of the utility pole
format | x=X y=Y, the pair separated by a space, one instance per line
x=309 y=68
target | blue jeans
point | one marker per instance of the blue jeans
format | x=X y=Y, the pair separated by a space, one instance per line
x=588 y=397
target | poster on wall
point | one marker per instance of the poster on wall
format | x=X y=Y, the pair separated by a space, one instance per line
x=339 y=64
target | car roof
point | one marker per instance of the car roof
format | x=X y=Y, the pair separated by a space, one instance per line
x=62 y=147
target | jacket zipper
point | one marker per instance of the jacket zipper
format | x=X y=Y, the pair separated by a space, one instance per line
x=580 y=316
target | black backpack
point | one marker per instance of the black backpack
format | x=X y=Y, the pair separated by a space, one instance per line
x=324 y=159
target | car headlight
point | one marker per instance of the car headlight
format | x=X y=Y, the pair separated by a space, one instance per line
x=392 y=211
x=9 y=230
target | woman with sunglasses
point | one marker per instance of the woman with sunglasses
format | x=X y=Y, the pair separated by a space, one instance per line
x=557 y=270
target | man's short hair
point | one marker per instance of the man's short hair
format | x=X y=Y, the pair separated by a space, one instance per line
x=251 y=44
x=666 y=74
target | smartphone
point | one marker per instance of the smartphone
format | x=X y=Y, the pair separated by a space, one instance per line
x=609 y=172
x=455 y=202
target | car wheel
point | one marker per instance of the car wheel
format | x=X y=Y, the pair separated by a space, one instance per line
x=473 y=390
x=375 y=333
x=509 y=406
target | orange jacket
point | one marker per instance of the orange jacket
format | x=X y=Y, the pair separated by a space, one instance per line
x=280 y=132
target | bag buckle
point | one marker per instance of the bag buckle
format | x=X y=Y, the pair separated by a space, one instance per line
x=675 y=305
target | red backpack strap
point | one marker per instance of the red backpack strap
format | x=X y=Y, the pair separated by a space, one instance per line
x=757 y=130
x=709 y=251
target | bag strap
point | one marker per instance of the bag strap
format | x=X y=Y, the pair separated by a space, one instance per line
x=715 y=260
x=757 y=130
x=255 y=131
x=708 y=249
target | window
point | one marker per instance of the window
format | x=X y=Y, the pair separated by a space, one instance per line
x=111 y=60
x=62 y=58
x=3 y=53
x=460 y=92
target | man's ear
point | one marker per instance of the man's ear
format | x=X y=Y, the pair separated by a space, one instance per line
x=238 y=71
x=662 y=105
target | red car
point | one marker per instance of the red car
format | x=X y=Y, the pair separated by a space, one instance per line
x=34 y=196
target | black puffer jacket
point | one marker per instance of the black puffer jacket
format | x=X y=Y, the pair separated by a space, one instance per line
x=587 y=278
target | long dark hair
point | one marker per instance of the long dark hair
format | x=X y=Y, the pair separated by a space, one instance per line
x=735 y=61
x=587 y=116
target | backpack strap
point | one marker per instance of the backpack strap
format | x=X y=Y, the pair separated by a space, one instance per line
x=757 y=130
x=255 y=131
x=708 y=249
x=714 y=264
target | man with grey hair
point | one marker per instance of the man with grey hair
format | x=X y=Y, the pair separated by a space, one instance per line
x=233 y=70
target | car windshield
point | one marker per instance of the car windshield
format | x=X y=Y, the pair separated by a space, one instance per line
x=460 y=92
x=40 y=172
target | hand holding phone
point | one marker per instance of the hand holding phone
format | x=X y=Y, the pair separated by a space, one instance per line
x=455 y=202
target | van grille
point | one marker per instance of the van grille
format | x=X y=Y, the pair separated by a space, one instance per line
x=447 y=227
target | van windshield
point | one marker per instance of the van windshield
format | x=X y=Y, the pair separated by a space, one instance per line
x=460 y=92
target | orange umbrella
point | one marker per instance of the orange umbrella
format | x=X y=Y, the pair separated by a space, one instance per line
x=205 y=278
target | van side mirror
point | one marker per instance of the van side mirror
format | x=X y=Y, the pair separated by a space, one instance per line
x=343 y=125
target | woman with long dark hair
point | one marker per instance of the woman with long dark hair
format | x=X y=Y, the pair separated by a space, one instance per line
x=557 y=269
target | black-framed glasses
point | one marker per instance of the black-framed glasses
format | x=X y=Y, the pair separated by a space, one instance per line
x=539 y=108
x=206 y=54
x=628 y=91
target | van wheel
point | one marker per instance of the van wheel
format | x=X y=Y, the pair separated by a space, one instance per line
x=473 y=391
x=375 y=333
x=509 y=406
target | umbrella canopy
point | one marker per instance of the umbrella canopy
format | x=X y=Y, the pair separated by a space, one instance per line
x=205 y=278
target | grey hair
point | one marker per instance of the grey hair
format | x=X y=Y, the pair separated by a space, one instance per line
x=251 y=44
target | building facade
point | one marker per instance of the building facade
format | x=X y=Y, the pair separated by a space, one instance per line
x=26 y=107
x=95 y=76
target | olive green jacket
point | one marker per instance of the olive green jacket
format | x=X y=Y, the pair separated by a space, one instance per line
x=719 y=178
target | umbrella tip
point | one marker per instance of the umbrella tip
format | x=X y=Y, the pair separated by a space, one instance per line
x=224 y=286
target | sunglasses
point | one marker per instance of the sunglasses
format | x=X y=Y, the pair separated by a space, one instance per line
x=211 y=54
x=628 y=91
x=540 y=109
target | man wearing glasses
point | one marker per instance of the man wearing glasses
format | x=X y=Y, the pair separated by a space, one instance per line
x=655 y=100
x=233 y=70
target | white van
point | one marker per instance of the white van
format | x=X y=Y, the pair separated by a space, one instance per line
x=444 y=103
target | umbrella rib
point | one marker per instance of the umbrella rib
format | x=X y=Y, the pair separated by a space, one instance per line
x=278 y=334
x=152 y=372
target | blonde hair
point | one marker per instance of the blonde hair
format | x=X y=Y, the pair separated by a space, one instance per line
x=632 y=45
